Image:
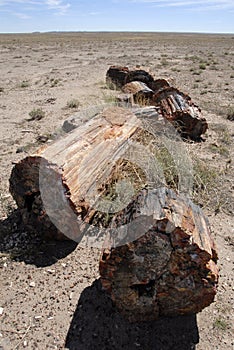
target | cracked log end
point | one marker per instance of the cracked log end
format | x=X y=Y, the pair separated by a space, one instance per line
x=170 y=270
x=25 y=189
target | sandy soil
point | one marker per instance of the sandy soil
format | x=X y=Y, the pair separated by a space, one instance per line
x=50 y=293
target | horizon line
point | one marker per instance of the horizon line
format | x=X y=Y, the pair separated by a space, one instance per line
x=116 y=31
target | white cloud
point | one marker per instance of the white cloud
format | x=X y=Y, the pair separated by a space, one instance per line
x=197 y=4
x=58 y=6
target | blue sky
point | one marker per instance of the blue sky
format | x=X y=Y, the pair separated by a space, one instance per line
x=211 y=16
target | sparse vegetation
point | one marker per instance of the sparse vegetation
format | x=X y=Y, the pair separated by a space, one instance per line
x=74 y=103
x=202 y=66
x=54 y=82
x=24 y=84
x=36 y=114
x=220 y=324
x=230 y=113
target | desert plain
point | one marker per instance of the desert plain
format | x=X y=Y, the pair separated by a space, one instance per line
x=50 y=295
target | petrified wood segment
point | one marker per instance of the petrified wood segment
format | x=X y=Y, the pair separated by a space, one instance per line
x=73 y=172
x=139 y=75
x=119 y=76
x=116 y=75
x=178 y=108
x=169 y=270
x=173 y=104
x=164 y=260
x=142 y=94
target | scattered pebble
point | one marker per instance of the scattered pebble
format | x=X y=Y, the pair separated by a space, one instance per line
x=1 y=310
x=32 y=284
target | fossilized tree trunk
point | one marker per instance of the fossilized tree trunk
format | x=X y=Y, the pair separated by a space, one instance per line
x=69 y=171
x=164 y=260
x=179 y=109
x=169 y=270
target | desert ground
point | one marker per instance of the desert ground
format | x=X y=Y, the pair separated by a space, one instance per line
x=50 y=294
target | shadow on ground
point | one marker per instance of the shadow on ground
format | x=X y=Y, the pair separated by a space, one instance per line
x=22 y=244
x=97 y=325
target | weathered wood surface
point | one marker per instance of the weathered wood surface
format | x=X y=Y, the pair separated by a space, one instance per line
x=179 y=109
x=140 y=91
x=77 y=166
x=169 y=270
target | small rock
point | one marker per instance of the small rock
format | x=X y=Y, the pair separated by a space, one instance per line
x=20 y=150
x=42 y=138
x=1 y=310
x=32 y=284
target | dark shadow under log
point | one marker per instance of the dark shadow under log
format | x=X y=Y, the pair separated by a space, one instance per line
x=96 y=325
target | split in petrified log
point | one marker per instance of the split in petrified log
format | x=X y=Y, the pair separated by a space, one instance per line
x=179 y=109
x=169 y=270
x=142 y=94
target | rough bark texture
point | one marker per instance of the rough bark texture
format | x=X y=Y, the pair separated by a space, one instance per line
x=171 y=269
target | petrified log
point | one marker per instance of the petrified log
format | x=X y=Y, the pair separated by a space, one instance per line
x=179 y=109
x=174 y=105
x=119 y=76
x=158 y=84
x=116 y=76
x=169 y=270
x=142 y=94
x=139 y=75
x=73 y=173
x=164 y=260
